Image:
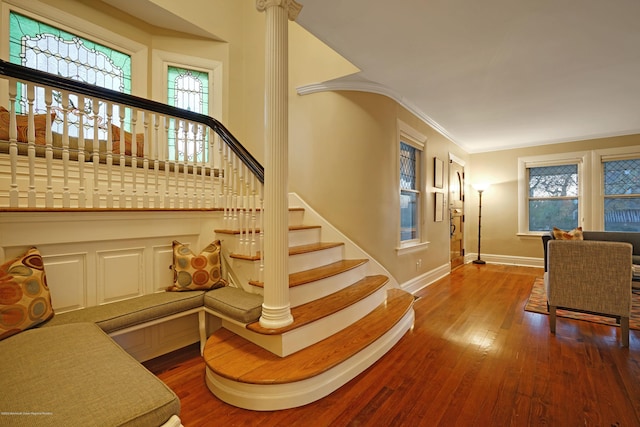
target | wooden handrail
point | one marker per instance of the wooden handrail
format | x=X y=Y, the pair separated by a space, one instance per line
x=39 y=77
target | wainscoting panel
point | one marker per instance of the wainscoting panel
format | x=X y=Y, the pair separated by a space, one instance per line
x=162 y=272
x=67 y=280
x=120 y=274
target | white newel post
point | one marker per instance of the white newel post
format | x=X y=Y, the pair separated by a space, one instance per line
x=276 y=309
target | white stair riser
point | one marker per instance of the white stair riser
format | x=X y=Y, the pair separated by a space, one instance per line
x=246 y=270
x=309 y=260
x=308 y=292
x=244 y=243
x=243 y=271
x=305 y=236
x=312 y=333
x=271 y=397
x=288 y=343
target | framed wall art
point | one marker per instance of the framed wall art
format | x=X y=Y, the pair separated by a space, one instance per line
x=438 y=171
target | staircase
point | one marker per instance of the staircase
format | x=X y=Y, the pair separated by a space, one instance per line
x=346 y=316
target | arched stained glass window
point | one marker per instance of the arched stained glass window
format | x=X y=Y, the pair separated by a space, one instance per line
x=38 y=45
x=188 y=89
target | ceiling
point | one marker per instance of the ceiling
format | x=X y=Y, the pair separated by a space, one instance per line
x=488 y=75
x=495 y=74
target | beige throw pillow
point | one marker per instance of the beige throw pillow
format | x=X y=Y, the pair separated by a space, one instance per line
x=575 y=234
x=25 y=300
x=193 y=272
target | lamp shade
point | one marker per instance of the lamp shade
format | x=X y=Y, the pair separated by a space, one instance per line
x=481 y=186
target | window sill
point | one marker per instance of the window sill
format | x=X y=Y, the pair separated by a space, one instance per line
x=413 y=247
x=532 y=234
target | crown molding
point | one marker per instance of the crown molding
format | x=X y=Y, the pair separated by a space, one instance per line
x=377 y=88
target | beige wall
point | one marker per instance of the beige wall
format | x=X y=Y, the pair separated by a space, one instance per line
x=500 y=201
x=343 y=162
x=343 y=145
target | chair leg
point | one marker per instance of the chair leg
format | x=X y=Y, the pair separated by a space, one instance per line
x=552 y=318
x=624 y=331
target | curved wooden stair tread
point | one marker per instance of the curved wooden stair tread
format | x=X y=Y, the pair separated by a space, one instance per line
x=233 y=357
x=319 y=273
x=257 y=230
x=294 y=250
x=326 y=306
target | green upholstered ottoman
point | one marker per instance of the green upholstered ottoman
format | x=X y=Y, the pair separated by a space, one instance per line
x=75 y=375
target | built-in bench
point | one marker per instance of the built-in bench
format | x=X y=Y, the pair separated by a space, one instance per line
x=124 y=316
x=69 y=371
x=75 y=375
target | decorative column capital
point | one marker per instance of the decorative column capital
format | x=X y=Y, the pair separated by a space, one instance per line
x=291 y=6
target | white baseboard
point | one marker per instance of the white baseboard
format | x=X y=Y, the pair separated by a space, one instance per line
x=414 y=285
x=506 y=260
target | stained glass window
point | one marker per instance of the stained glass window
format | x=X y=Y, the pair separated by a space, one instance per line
x=188 y=89
x=38 y=45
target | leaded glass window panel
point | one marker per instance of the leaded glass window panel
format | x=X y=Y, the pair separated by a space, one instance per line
x=409 y=192
x=622 y=195
x=188 y=89
x=38 y=45
x=553 y=197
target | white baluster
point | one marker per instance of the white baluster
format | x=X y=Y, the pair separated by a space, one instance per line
x=96 y=153
x=48 y=197
x=188 y=143
x=66 y=194
x=109 y=156
x=167 y=165
x=203 y=143
x=155 y=147
x=82 y=197
x=122 y=200
x=14 y=193
x=218 y=165
x=31 y=148
x=134 y=159
x=145 y=160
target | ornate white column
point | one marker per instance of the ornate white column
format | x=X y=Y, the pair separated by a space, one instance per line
x=276 y=309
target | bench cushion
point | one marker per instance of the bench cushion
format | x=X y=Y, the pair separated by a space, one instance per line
x=235 y=303
x=123 y=314
x=75 y=375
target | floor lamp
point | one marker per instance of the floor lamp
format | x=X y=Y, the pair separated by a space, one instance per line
x=479 y=188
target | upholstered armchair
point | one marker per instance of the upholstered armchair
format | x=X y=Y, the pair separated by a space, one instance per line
x=590 y=276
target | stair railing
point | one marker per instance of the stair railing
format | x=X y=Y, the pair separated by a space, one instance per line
x=70 y=145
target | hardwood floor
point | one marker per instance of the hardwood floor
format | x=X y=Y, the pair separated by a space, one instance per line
x=473 y=358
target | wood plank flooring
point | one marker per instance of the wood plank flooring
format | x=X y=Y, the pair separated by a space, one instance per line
x=474 y=358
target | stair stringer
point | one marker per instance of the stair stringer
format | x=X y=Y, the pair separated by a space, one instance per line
x=271 y=397
x=331 y=234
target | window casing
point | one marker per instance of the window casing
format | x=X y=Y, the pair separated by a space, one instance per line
x=44 y=47
x=195 y=84
x=607 y=190
x=621 y=202
x=409 y=193
x=553 y=197
x=411 y=185
x=188 y=89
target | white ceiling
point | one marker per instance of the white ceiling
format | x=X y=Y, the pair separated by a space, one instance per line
x=496 y=74
x=490 y=74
